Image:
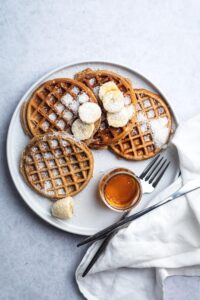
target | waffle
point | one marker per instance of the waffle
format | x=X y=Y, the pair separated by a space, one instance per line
x=45 y=111
x=139 y=144
x=56 y=166
x=107 y=135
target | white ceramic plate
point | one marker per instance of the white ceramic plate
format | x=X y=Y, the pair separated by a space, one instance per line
x=91 y=214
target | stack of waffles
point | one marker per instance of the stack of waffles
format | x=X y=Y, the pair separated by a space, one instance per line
x=66 y=118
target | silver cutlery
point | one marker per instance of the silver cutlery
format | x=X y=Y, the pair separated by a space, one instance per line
x=149 y=179
x=187 y=188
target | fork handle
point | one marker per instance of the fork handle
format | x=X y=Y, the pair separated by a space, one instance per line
x=99 y=251
x=187 y=188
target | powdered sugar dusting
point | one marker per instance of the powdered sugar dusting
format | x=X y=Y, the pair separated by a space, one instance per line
x=47 y=185
x=59 y=107
x=53 y=116
x=61 y=191
x=74 y=106
x=75 y=90
x=45 y=125
x=146 y=103
x=127 y=100
x=141 y=117
x=67 y=99
x=67 y=115
x=60 y=124
x=82 y=98
x=96 y=90
x=92 y=81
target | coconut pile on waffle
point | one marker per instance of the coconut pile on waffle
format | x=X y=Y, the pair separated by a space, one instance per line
x=56 y=166
x=151 y=130
x=116 y=98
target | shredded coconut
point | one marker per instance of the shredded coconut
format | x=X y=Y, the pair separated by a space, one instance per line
x=60 y=124
x=75 y=90
x=44 y=174
x=127 y=100
x=147 y=138
x=29 y=159
x=144 y=127
x=67 y=115
x=67 y=99
x=45 y=125
x=38 y=156
x=61 y=191
x=52 y=116
x=51 y=193
x=130 y=111
x=160 y=110
x=65 y=170
x=58 y=152
x=44 y=146
x=138 y=107
x=47 y=184
x=38 y=186
x=82 y=98
x=55 y=172
x=59 y=107
x=67 y=150
x=34 y=149
x=41 y=165
x=54 y=143
x=64 y=143
x=59 y=90
x=48 y=155
x=74 y=106
x=34 y=177
x=58 y=181
x=92 y=81
x=52 y=163
x=151 y=114
x=96 y=90
x=141 y=117
x=160 y=131
x=62 y=161
x=146 y=103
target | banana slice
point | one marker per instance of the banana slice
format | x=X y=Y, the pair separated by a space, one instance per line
x=107 y=87
x=113 y=101
x=119 y=119
x=89 y=112
x=63 y=208
x=82 y=131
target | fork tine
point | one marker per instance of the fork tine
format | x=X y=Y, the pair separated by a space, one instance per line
x=154 y=175
x=157 y=180
x=152 y=171
x=148 y=167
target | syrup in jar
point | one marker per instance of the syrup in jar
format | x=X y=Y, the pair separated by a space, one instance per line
x=120 y=189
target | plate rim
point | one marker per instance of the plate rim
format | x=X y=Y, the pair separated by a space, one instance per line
x=30 y=89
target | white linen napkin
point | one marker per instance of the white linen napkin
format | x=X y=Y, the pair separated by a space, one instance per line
x=162 y=243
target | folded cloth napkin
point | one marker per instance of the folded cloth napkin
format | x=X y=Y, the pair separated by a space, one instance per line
x=162 y=243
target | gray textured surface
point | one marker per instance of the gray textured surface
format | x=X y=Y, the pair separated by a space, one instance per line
x=159 y=38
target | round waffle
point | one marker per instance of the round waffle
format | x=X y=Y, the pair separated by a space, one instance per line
x=56 y=166
x=48 y=111
x=139 y=144
x=107 y=135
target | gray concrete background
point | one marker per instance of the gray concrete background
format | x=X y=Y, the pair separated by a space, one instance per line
x=161 y=39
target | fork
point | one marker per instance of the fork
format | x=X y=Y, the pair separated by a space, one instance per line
x=149 y=178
